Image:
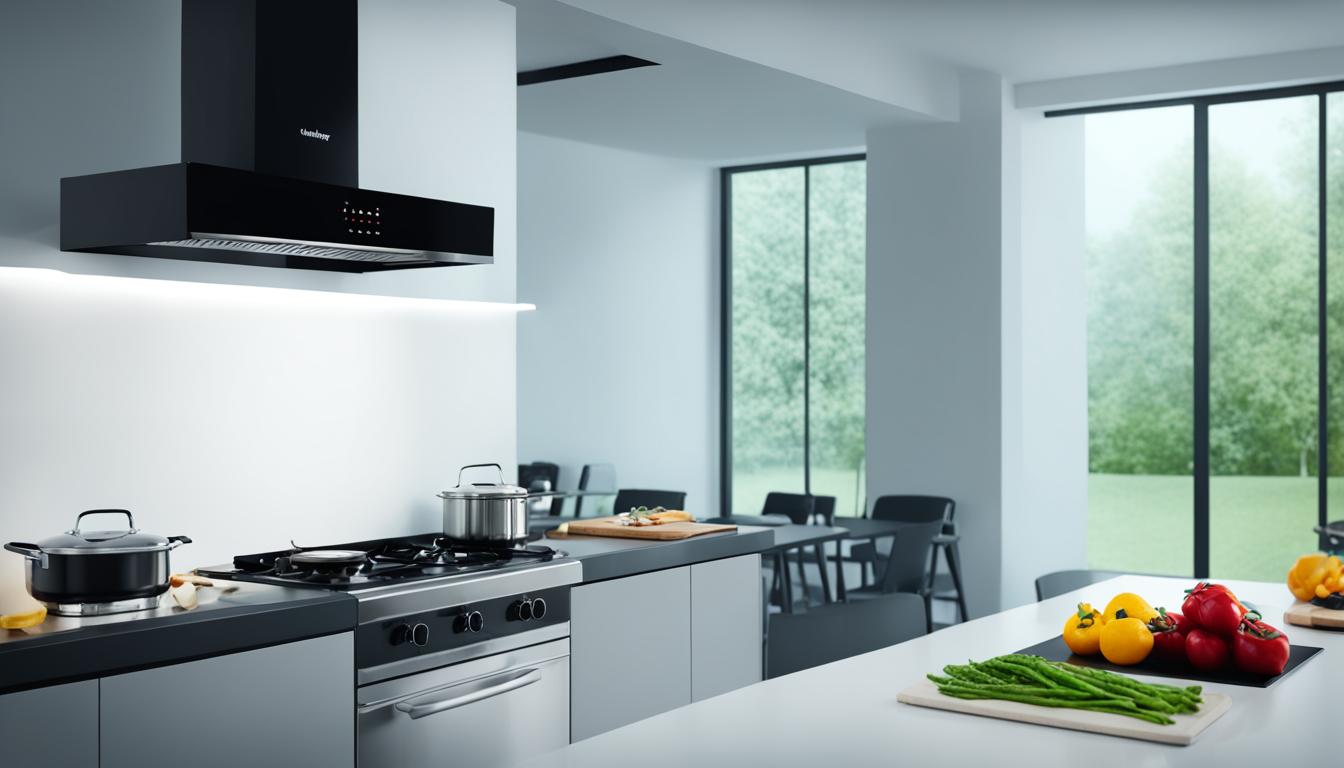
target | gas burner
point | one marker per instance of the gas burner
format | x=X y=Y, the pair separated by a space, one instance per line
x=329 y=557
x=374 y=563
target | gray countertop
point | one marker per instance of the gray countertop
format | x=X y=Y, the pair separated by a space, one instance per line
x=608 y=557
x=237 y=616
x=234 y=616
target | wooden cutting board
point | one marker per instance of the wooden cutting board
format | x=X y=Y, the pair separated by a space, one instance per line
x=1186 y=729
x=1308 y=615
x=607 y=526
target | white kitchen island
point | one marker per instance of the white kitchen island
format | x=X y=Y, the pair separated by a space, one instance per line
x=846 y=713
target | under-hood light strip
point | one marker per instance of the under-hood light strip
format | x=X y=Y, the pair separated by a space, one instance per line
x=232 y=290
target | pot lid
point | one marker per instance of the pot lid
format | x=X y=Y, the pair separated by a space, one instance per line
x=77 y=541
x=500 y=490
x=485 y=491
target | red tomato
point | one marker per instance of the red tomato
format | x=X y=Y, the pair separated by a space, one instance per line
x=1214 y=607
x=1168 y=635
x=1205 y=650
x=1221 y=613
x=1259 y=648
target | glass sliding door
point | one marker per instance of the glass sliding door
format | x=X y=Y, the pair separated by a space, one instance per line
x=794 y=332
x=836 y=309
x=1263 y=342
x=766 y=334
x=1334 y=206
x=1140 y=321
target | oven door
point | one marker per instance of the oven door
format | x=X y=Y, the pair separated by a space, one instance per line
x=494 y=711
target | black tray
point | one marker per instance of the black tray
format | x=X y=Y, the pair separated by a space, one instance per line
x=1054 y=649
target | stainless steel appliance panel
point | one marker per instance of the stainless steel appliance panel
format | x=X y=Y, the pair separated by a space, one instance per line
x=494 y=711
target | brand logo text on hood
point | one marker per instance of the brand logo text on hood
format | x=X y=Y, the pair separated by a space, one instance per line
x=315 y=134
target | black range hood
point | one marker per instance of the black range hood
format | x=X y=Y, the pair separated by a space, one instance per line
x=270 y=150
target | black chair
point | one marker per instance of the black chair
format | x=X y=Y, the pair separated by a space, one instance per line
x=629 y=498
x=914 y=508
x=800 y=508
x=829 y=633
x=1057 y=583
x=908 y=565
x=595 y=477
x=804 y=509
x=541 y=476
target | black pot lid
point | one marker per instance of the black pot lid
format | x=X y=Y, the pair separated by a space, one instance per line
x=77 y=541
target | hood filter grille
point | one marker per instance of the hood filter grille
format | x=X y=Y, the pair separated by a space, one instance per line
x=302 y=249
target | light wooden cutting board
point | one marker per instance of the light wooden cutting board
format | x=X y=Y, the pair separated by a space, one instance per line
x=1184 y=731
x=1308 y=615
x=607 y=526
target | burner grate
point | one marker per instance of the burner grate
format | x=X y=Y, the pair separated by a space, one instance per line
x=384 y=561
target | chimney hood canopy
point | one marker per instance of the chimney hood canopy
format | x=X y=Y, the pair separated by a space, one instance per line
x=270 y=147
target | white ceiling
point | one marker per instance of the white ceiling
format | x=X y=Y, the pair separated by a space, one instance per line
x=748 y=79
x=699 y=103
x=1024 y=40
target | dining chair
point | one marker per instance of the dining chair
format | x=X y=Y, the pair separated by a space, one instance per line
x=827 y=633
x=1057 y=583
x=804 y=509
x=906 y=567
x=913 y=508
x=629 y=498
x=595 y=477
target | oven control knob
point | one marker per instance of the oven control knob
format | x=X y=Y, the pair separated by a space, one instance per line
x=538 y=608
x=521 y=610
x=471 y=621
x=420 y=634
x=401 y=634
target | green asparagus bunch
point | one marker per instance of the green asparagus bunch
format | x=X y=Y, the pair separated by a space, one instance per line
x=1033 y=680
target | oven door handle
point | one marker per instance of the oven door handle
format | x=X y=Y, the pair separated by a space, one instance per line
x=418 y=707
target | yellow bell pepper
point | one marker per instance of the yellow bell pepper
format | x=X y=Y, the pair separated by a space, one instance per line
x=1082 y=631
x=1314 y=572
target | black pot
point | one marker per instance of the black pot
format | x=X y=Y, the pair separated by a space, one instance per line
x=81 y=572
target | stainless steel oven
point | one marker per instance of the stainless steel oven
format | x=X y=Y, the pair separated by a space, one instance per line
x=473 y=673
x=461 y=651
x=497 y=710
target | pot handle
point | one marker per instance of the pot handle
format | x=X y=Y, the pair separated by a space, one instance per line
x=130 y=520
x=475 y=466
x=30 y=551
x=176 y=541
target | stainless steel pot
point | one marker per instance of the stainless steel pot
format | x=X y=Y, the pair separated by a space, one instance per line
x=492 y=513
x=89 y=572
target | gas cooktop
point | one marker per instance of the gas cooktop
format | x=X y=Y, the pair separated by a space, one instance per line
x=379 y=562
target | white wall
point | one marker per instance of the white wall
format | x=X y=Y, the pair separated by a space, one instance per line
x=239 y=415
x=1045 y=361
x=620 y=361
x=935 y=240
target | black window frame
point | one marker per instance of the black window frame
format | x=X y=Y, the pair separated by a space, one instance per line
x=1200 y=109
x=726 y=313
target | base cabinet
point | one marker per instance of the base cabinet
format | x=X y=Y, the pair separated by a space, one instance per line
x=630 y=650
x=52 y=727
x=289 y=704
x=726 y=625
x=645 y=644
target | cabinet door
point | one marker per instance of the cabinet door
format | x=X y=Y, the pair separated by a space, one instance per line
x=726 y=632
x=630 y=650
x=53 y=727
x=291 y=704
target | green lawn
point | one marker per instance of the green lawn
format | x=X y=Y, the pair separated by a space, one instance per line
x=1258 y=525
